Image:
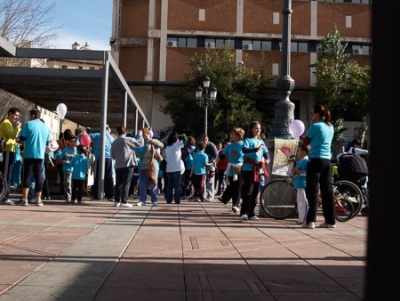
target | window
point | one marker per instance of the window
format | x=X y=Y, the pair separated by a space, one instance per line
x=191 y=43
x=266 y=45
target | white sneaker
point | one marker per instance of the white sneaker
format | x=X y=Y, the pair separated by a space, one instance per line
x=311 y=225
x=254 y=218
x=244 y=217
x=8 y=202
x=39 y=203
x=140 y=204
x=25 y=203
x=235 y=209
x=325 y=225
x=126 y=205
x=117 y=204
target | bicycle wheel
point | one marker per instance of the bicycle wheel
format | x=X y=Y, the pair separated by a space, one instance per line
x=278 y=199
x=3 y=186
x=347 y=190
x=344 y=210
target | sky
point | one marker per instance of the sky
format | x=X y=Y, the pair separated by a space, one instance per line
x=83 y=21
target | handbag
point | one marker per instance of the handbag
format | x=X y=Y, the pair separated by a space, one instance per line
x=237 y=168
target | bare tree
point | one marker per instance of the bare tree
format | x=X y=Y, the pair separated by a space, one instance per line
x=27 y=22
x=24 y=23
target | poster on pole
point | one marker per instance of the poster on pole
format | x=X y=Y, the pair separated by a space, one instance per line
x=284 y=149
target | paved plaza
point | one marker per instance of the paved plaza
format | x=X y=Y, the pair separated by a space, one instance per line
x=190 y=252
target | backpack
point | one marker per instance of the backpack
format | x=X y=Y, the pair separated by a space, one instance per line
x=352 y=167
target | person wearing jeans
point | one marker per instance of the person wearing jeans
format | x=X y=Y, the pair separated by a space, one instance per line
x=9 y=130
x=143 y=178
x=175 y=166
x=212 y=154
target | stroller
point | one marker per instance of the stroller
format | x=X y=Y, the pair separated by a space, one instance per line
x=188 y=190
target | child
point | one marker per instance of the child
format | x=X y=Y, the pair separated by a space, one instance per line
x=198 y=171
x=66 y=155
x=300 y=182
x=80 y=165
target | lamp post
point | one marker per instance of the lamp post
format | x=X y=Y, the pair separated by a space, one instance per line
x=206 y=99
x=284 y=108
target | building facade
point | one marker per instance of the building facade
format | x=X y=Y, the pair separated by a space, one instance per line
x=153 y=40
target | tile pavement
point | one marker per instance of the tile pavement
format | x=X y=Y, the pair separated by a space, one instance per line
x=194 y=251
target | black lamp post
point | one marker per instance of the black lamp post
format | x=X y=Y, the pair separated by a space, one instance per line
x=284 y=108
x=206 y=99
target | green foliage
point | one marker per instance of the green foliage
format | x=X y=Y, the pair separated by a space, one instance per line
x=337 y=74
x=360 y=83
x=331 y=71
x=241 y=93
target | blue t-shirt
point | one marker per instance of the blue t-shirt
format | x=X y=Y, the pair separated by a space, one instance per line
x=189 y=160
x=96 y=137
x=300 y=180
x=199 y=162
x=36 y=135
x=70 y=150
x=256 y=156
x=321 y=135
x=79 y=165
x=234 y=152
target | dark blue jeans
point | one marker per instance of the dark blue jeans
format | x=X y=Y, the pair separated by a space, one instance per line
x=6 y=167
x=174 y=184
x=108 y=179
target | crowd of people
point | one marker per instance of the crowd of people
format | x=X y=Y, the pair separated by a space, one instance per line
x=236 y=167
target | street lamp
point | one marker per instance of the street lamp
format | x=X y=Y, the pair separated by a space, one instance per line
x=207 y=98
x=284 y=108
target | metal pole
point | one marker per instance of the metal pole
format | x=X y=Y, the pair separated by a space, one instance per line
x=284 y=108
x=205 y=111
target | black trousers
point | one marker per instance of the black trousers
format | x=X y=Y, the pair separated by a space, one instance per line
x=249 y=193
x=232 y=191
x=319 y=179
x=123 y=177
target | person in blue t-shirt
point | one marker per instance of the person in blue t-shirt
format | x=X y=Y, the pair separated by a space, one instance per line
x=255 y=159
x=300 y=172
x=35 y=135
x=66 y=155
x=108 y=164
x=319 y=167
x=80 y=165
x=198 y=172
x=234 y=152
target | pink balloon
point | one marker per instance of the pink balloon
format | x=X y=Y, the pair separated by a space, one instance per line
x=296 y=128
x=85 y=140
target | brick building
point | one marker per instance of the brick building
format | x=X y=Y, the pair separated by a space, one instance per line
x=152 y=41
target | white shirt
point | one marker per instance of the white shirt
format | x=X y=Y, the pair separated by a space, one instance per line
x=173 y=156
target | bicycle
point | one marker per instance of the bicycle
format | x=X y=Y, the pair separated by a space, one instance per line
x=3 y=186
x=278 y=198
x=343 y=197
x=354 y=192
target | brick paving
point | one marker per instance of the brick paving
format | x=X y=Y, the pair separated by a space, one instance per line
x=192 y=251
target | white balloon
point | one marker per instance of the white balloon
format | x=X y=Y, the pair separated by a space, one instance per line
x=62 y=110
x=296 y=128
